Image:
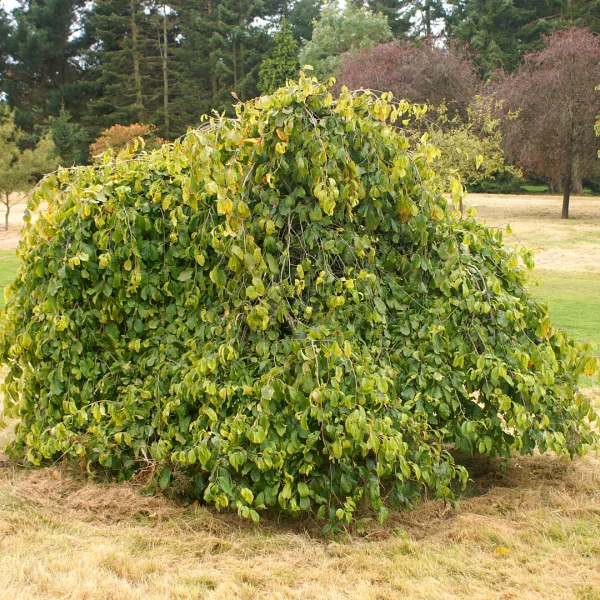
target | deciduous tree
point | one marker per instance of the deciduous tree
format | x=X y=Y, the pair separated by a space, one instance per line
x=281 y=310
x=554 y=94
x=118 y=137
x=339 y=31
x=19 y=169
x=422 y=74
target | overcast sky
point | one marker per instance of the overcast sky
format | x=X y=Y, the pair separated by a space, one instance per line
x=8 y=4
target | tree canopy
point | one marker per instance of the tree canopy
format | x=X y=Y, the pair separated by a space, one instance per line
x=282 y=64
x=422 y=74
x=337 y=32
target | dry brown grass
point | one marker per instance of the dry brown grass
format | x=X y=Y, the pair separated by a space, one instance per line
x=529 y=531
x=560 y=245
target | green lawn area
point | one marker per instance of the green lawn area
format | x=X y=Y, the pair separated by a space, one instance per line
x=8 y=269
x=574 y=301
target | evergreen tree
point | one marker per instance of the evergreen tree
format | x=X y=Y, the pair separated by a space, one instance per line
x=44 y=49
x=283 y=62
x=500 y=32
x=232 y=39
x=118 y=70
x=301 y=16
x=5 y=32
x=427 y=18
x=163 y=59
x=70 y=139
x=411 y=18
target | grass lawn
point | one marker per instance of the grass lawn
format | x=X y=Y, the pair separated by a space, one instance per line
x=574 y=300
x=529 y=530
x=8 y=269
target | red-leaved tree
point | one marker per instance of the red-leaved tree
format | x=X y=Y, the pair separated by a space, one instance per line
x=419 y=74
x=553 y=93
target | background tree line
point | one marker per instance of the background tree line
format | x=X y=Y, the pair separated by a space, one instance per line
x=74 y=69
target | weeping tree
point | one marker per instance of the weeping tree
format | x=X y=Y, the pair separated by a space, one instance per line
x=281 y=309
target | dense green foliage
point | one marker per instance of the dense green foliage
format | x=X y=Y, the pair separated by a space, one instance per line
x=500 y=33
x=70 y=139
x=282 y=64
x=470 y=146
x=341 y=31
x=281 y=309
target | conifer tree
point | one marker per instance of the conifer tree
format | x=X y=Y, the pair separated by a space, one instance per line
x=500 y=33
x=283 y=63
x=44 y=47
x=118 y=68
x=70 y=139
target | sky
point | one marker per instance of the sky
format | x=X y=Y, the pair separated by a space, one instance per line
x=8 y=5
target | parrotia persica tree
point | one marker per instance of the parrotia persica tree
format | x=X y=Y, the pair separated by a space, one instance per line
x=120 y=137
x=554 y=94
x=281 y=309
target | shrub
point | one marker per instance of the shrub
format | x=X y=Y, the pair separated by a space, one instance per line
x=281 y=309
x=120 y=137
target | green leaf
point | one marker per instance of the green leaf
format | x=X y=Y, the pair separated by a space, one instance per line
x=165 y=478
x=303 y=489
x=218 y=277
x=185 y=275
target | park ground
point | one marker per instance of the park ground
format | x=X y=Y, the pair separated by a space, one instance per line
x=530 y=530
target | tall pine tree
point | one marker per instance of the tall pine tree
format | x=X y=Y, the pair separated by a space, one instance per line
x=45 y=73
x=118 y=69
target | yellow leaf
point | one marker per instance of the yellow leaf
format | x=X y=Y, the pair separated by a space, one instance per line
x=282 y=135
x=224 y=206
x=250 y=141
x=502 y=551
x=269 y=227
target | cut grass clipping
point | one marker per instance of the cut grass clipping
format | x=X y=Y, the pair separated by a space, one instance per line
x=282 y=310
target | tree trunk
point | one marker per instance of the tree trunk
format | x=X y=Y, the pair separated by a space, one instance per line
x=566 y=195
x=235 y=81
x=137 y=78
x=165 y=71
x=428 y=21
x=7 y=211
x=242 y=73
